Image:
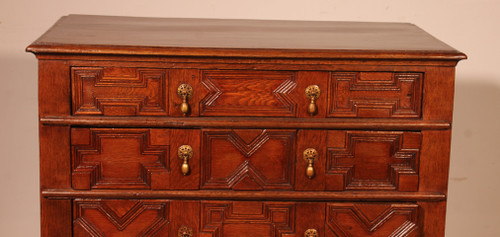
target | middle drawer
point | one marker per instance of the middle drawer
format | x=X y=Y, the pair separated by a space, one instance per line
x=244 y=159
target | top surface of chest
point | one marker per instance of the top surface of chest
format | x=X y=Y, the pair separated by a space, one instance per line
x=84 y=34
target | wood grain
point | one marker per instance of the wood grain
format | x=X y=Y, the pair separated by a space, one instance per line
x=111 y=125
x=205 y=37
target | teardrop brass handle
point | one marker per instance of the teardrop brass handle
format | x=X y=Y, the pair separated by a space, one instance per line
x=185 y=92
x=310 y=156
x=311 y=233
x=185 y=231
x=313 y=92
x=185 y=152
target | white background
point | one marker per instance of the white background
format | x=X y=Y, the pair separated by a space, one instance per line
x=472 y=27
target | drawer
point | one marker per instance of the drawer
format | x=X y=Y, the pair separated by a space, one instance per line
x=375 y=94
x=154 y=217
x=133 y=91
x=245 y=159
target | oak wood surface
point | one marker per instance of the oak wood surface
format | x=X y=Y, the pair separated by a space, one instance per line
x=246 y=122
x=111 y=125
x=216 y=37
x=282 y=195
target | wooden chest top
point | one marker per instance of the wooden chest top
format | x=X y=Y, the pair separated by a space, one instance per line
x=83 y=34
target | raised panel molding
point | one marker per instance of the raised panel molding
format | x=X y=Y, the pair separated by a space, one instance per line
x=119 y=91
x=377 y=220
x=375 y=94
x=241 y=159
x=248 y=93
x=368 y=160
x=120 y=158
x=247 y=219
x=100 y=218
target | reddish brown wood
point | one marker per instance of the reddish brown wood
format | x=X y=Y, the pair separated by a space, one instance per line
x=436 y=151
x=111 y=126
x=248 y=93
x=119 y=91
x=369 y=160
x=315 y=139
x=96 y=217
x=310 y=215
x=305 y=79
x=242 y=38
x=247 y=159
x=55 y=217
x=281 y=195
x=432 y=213
x=179 y=181
x=248 y=122
x=439 y=89
x=184 y=215
x=53 y=88
x=372 y=219
x=375 y=94
x=185 y=76
x=247 y=219
x=120 y=158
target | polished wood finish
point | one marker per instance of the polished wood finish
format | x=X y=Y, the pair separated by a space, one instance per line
x=375 y=94
x=222 y=38
x=369 y=219
x=119 y=91
x=122 y=154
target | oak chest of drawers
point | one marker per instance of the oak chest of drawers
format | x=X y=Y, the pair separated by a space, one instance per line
x=191 y=127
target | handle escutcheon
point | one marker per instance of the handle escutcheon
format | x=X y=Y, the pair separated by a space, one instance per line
x=311 y=233
x=185 y=92
x=185 y=152
x=313 y=92
x=185 y=231
x=310 y=156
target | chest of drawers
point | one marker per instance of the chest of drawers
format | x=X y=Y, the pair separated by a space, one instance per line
x=192 y=127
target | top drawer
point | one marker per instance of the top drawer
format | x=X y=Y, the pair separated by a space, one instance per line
x=130 y=91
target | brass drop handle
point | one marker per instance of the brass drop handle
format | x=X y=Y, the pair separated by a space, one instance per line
x=185 y=231
x=310 y=156
x=312 y=92
x=311 y=233
x=185 y=152
x=185 y=92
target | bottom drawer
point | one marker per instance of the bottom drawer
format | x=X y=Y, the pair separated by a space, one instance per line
x=113 y=217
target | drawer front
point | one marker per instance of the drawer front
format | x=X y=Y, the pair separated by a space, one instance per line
x=123 y=91
x=110 y=158
x=248 y=93
x=375 y=94
x=372 y=219
x=156 y=217
x=247 y=159
x=359 y=160
x=369 y=160
x=115 y=217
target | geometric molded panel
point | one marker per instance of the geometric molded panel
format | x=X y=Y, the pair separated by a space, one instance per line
x=375 y=94
x=99 y=218
x=373 y=160
x=120 y=158
x=368 y=219
x=247 y=159
x=119 y=91
x=248 y=93
x=247 y=219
